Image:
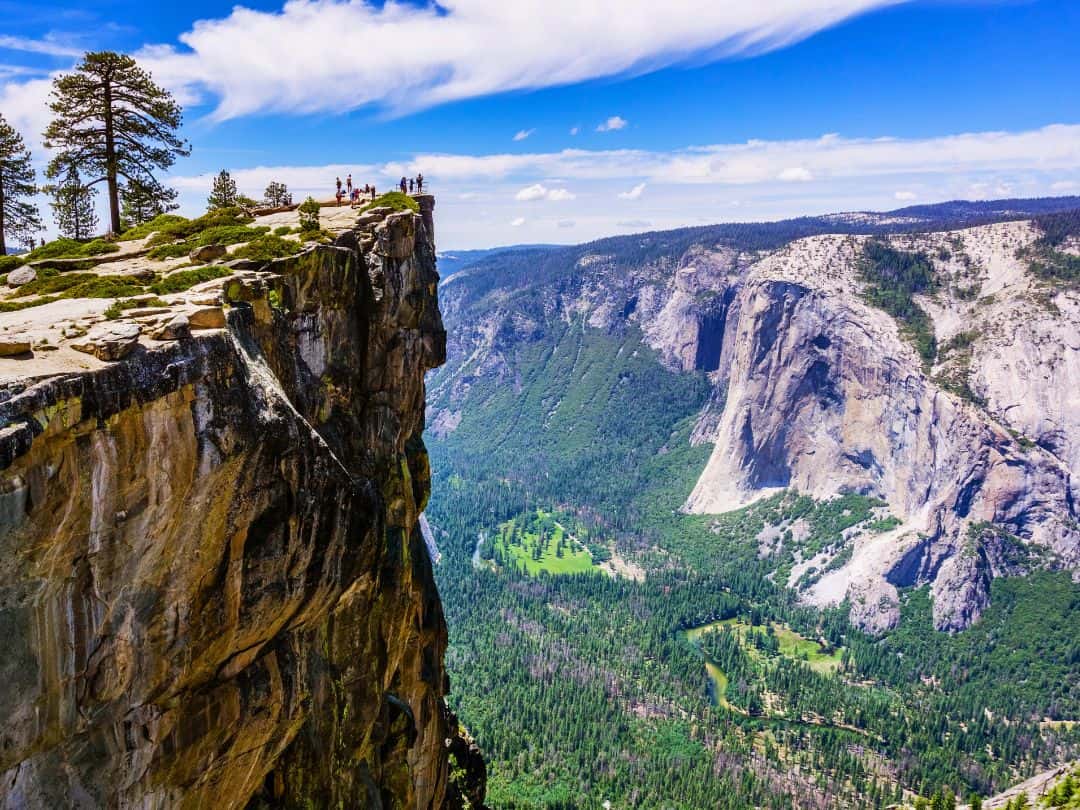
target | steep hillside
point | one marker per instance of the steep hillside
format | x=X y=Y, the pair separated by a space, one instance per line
x=662 y=460
x=215 y=589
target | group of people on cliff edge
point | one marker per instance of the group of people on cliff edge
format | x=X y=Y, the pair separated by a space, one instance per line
x=410 y=185
x=354 y=193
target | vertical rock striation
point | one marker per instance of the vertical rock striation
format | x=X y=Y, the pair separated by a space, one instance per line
x=213 y=586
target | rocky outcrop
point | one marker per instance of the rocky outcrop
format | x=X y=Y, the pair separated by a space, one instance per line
x=824 y=395
x=213 y=586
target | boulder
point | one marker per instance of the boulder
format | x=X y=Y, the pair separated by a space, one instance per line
x=13 y=344
x=176 y=328
x=208 y=253
x=207 y=318
x=21 y=275
x=109 y=341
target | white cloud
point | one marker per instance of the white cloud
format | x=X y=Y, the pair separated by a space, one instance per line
x=538 y=191
x=575 y=130
x=522 y=134
x=699 y=182
x=517 y=223
x=795 y=174
x=565 y=223
x=616 y=122
x=46 y=46
x=905 y=196
x=419 y=55
x=634 y=193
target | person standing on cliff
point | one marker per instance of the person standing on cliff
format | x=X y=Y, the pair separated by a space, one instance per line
x=338 y=181
x=411 y=182
x=348 y=185
x=404 y=186
x=419 y=183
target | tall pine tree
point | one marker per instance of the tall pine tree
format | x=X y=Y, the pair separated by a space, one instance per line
x=73 y=206
x=19 y=219
x=223 y=192
x=114 y=122
x=141 y=204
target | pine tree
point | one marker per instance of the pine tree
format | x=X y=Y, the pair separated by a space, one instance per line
x=113 y=121
x=142 y=203
x=277 y=195
x=19 y=219
x=73 y=206
x=309 y=215
x=223 y=193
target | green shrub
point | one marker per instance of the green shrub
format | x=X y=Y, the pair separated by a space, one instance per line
x=283 y=230
x=15 y=306
x=309 y=215
x=269 y=246
x=186 y=279
x=9 y=263
x=79 y=285
x=99 y=247
x=172 y=251
x=230 y=234
x=158 y=223
x=187 y=228
x=118 y=307
x=395 y=200
x=893 y=278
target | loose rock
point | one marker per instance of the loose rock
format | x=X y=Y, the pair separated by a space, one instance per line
x=21 y=275
x=207 y=253
x=207 y=318
x=112 y=341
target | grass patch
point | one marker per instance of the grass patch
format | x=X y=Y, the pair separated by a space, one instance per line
x=395 y=200
x=266 y=247
x=55 y=285
x=117 y=308
x=542 y=541
x=186 y=279
x=284 y=230
x=158 y=223
x=64 y=248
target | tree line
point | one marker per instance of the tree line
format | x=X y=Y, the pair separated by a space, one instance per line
x=112 y=127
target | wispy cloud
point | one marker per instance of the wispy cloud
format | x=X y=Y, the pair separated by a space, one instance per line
x=634 y=193
x=905 y=196
x=517 y=223
x=46 y=46
x=460 y=49
x=575 y=130
x=795 y=174
x=616 y=122
x=522 y=134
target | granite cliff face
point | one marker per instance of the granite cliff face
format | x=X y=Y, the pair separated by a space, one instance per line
x=818 y=391
x=214 y=590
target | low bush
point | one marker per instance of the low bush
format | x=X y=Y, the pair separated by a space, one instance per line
x=395 y=200
x=230 y=234
x=283 y=230
x=9 y=263
x=118 y=307
x=172 y=251
x=64 y=248
x=158 y=223
x=266 y=247
x=186 y=279
x=187 y=228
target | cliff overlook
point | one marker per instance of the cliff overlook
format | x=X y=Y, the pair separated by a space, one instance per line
x=215 y=588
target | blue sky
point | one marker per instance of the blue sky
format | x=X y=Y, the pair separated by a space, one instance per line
x=717 y=111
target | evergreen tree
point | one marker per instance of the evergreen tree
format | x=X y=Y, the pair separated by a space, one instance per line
x=19 y=219
x=309 y=215
x=277 y=195
x=73 y=206
x=223 y=193
x=142 y=203
x=113 y=121
x=975 y=801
